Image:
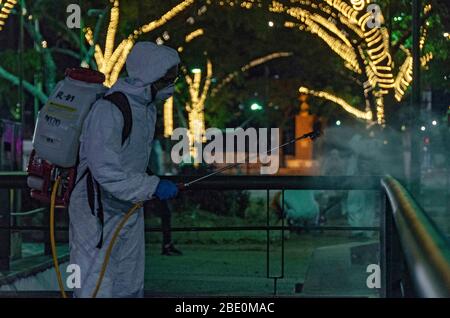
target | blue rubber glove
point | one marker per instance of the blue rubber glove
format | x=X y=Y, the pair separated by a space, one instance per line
x=166 y=190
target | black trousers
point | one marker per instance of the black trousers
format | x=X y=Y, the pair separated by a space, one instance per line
x=161 y=209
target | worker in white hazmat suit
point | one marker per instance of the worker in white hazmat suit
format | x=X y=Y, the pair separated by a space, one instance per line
x=362 y=205
x=119 y=172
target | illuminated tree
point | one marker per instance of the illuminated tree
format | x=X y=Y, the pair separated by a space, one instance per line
x=345 y=27
x=197 y=97
x=110 y=60
x=198 y=92
x=365 y=48
x=368 y=54
x=41 y=47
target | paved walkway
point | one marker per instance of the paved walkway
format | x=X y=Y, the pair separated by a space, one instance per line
x=240 y=269
x=236 y=268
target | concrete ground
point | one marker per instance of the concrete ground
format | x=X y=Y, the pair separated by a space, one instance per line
x=316 y=265
x=240 y=269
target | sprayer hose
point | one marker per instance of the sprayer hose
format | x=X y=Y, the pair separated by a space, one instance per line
x=52 y=237
x=111 y=245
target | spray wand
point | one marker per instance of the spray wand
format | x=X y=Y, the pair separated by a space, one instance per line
x=313 y=135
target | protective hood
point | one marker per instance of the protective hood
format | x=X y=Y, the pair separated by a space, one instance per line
x=146 y=63
x=149 y=62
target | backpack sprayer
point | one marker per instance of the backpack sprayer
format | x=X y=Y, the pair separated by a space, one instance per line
x=53 y=162
x=57 y=132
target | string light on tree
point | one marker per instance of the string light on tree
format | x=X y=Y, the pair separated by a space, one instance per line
x=251 y=64
x=377 y=42
x=248 y=4
x=168 y=117
x=166 y=17
x=424 y=60
x=404 y=76
x=5 y=11
x=193 y=35
x=110 y=61
x=196 y=105
x=380 y=108
x=366 y=115
x=317 y=25
x=358 y=4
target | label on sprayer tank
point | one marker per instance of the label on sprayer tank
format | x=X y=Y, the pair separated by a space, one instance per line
x=56 y=136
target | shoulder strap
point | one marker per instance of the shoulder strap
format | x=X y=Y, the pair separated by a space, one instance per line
x=121 y=101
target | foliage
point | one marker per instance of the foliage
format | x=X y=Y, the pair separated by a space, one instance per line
x=8 y=94
x=233 y=37
x=225 y=203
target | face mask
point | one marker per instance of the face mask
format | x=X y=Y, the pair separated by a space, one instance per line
x=164 y=93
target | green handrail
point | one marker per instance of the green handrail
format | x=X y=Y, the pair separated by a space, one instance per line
x=426 y=249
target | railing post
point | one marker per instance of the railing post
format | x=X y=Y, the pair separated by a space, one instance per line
x=5 y=234
x=282 y=237
x=281 y=276
x=46 y=238
x=267 y=236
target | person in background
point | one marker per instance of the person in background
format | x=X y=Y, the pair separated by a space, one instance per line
x=300 y=207
x=362 y=205
x=331 y=201
x=158 y=207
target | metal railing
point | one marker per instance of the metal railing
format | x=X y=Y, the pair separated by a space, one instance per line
x=414 y=255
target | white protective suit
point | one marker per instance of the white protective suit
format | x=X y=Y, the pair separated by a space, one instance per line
x=300 y=207
x=361 y=205
x=120 y=172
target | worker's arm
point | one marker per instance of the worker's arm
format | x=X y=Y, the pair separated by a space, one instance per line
x=103 y=145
